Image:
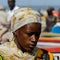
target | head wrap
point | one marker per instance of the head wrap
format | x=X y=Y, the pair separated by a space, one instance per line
x=24 y=16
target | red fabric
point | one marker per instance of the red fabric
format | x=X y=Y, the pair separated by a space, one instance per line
x=55 y=13
x=47 y=39
x=52 y=49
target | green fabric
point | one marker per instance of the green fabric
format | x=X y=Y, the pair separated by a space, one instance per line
x=0 y=58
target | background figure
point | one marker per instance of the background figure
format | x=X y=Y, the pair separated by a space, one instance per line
x=13 y=8
x=50 y=19
x=26 y=28
x=56 y=27
x=3 y=17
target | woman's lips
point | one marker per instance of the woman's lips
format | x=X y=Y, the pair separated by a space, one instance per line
x=32 y=45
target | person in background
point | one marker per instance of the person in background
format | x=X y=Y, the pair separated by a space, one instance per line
x=13 y=8
x=56 y=27
x=50 y=19
x=26 y=29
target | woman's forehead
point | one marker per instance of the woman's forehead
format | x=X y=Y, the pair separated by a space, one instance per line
x=30 y=27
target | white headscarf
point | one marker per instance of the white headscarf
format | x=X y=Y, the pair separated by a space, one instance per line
x=24 y=16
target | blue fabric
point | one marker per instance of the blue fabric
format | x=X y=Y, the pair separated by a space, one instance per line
x=56 y=29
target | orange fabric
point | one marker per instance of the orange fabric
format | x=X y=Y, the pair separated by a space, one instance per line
x=47 y=39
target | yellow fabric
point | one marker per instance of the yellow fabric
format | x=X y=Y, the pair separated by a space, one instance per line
x=40 y=53
x=51 y=56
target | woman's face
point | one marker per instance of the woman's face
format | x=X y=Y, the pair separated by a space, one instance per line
x=27 y=36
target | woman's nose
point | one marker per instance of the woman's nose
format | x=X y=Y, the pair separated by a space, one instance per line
x=33 y=38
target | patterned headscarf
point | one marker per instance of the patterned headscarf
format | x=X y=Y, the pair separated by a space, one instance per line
x=24 y=16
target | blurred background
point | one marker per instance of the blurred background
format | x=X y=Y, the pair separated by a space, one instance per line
x=33 y=3
x=50 y=16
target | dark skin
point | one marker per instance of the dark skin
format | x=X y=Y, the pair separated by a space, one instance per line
x=11 y=4
x=27 y=37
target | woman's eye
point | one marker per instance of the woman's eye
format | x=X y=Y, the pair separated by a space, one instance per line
x=33 y=33
x=30 y=34
x=37 y=34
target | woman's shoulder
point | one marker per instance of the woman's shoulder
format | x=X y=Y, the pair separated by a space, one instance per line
x=7 y=53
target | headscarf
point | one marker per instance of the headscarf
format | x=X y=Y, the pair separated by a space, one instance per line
x=24 y=16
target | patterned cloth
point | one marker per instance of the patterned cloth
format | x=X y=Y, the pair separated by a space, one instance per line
x=9 y=51
x=24 y=16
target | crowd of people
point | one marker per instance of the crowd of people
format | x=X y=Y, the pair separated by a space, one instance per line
x=22 y=30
